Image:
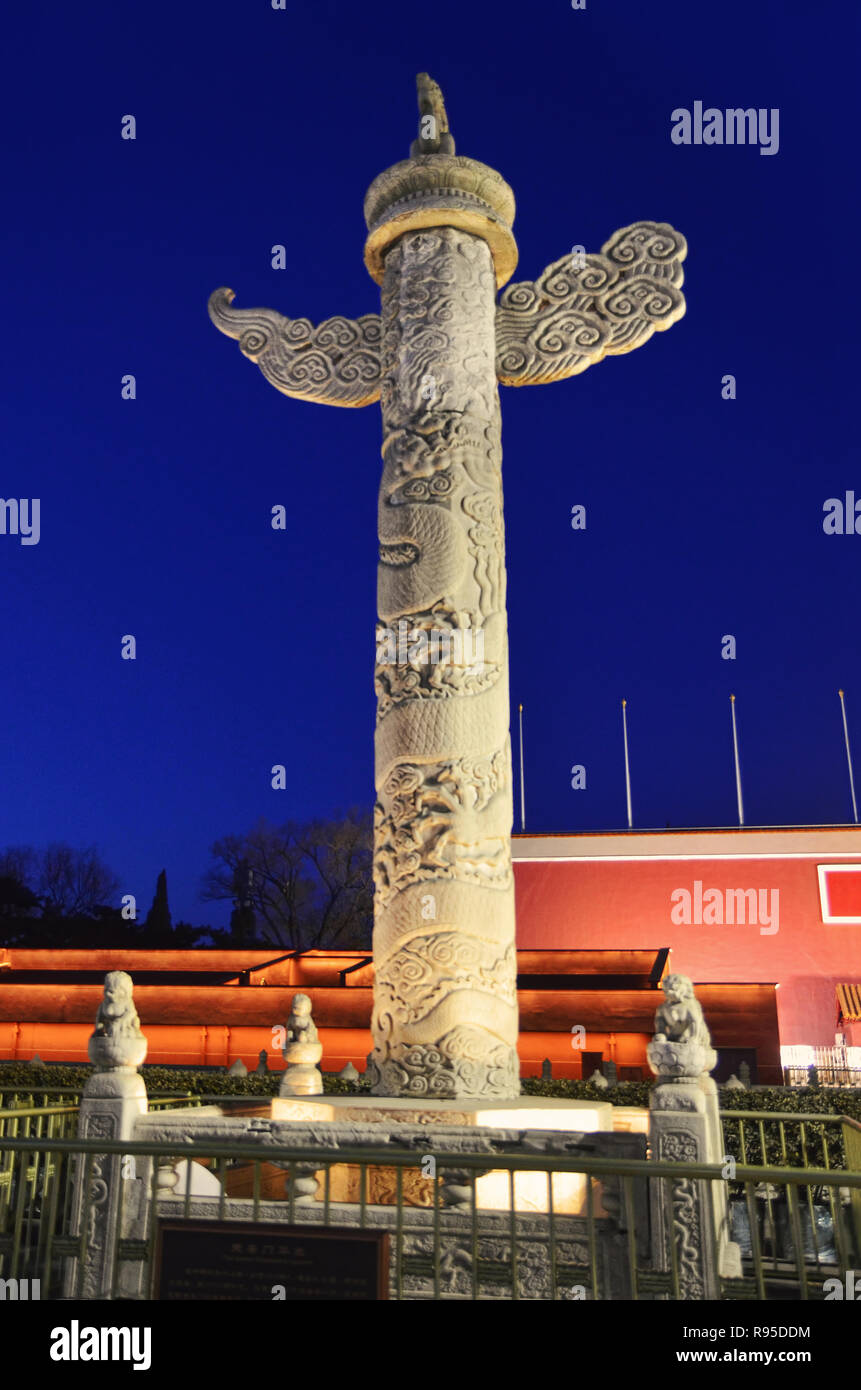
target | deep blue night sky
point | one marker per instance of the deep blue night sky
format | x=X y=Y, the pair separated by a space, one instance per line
x=255 y=647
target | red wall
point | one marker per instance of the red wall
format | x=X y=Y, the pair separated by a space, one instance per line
x=582 y=903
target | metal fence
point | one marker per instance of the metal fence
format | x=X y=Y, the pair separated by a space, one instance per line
x=443 y=1244
x=822 y=1066
x=11 y=1096
x=822 y=1074
x=804 y=1141
x=793 y=1184
x=792 y=1139
x=18 y=1098
x=37 y=1122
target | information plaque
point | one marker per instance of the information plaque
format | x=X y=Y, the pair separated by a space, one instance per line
x=218 y=1260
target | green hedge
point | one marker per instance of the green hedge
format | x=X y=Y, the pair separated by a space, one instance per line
x=626 y=1093
x=210 y=1081
x=799 y=1100
x=790 y=1151
x=214 y=1081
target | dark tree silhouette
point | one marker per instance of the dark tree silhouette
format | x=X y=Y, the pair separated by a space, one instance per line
x=57 y=897
x=158 y=918
x=73 y=882
x=304 y=885
x=16 y=899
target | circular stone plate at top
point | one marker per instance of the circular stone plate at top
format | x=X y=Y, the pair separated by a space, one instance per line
x=443 y=212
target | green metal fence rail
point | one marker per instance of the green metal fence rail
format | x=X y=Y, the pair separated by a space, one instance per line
x=21 y=1184
x=71 y=1095
x=41 y=1095
x=37 y=1239
x=818 y=1220
x=165 y=1102
x=16 y=1098
x=39 y=1121
x=761 y=1136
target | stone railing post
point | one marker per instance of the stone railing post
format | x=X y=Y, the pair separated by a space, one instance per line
x=114 y=1098
x=302 y=1051
x=685 y=1127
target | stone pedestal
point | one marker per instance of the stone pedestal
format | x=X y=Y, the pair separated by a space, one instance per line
x=464 y=1123
x=685 y=1127
x=303 y=1076
x=525 y=1113
x=459 y=1211
x=109 y=1191
x=302 y=1052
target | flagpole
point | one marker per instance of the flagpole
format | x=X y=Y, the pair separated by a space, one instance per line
x=849 y=758
x=522 y=780
x=627 y=764
x=737 y=768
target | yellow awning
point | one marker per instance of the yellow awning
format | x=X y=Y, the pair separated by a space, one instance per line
x=849 y=999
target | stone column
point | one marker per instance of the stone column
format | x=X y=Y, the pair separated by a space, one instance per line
x=445 y=1008
x=439 y=245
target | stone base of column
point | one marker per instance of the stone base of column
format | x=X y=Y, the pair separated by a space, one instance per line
x=416 y=1069
x=524 y=1112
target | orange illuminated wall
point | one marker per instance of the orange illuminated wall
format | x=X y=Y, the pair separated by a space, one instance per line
x=220 y=1045
x=210 y=1007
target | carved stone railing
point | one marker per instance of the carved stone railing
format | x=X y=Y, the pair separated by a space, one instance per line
x=590 y=1244
x=623 y=1232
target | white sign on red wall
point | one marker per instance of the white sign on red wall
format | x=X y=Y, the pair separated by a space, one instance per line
x=840 y=892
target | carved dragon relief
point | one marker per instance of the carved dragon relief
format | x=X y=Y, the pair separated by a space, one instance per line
x=445 y=1013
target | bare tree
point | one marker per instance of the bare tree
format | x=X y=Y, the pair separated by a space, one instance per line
x=308 y=885
x=340 y=853
x=73 y=882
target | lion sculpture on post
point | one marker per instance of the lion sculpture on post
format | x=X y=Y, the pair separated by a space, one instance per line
x=682 y=1045
x=117 y=1042
x=680 y=1017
